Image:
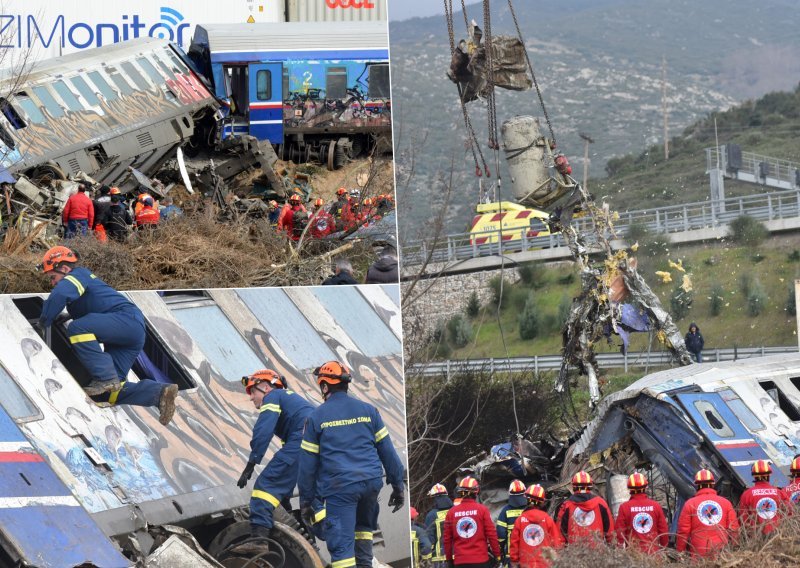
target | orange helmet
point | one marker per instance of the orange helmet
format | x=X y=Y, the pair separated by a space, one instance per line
x=114 y=191
x=535 y=493
x=795 y=467
x=516 y=487
x=294 y=198
x=704 y=477
x=582 y=482
x=437 y=489
x=332 y=373
x=414 y=513
x=53 y=258
x=319 y=202
x=761 y=469
x=469 y=485
x=341 y=191
x=263 y=376
x=637 y=481
x=367 y=202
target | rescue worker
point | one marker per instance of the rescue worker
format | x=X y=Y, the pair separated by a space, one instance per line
x=274 y=212
x=101 y=315
x=78 y=214
x=291 y=219
x=322 y=222
x=508 y=516
x=585 y=517
x=534 y=531
x=118 y=218
x=282 y=413
x=342 y=199
x=420 y=542
x=366 y=209
x=707 y=521
x=792 y=491
x=469 y=532
x=641 y=522
x=140 y=202
x=346 y=448
x=147 y=216
x=101 y=206
x=169 y=210
x=434 y=522
x=762 y=505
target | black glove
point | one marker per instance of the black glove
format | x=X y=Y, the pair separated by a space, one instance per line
x=307 y=514
x=246 y=474
x=397 y=499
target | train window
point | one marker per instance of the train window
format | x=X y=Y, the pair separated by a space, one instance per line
x=15 y=401
x=164 y=67
x=157 y=363
x=151 y=71
x=12 y=116
x=379 y=82
x=87 y=94
x=264 y=85
x=285 y=83
x=713 y=418
x=120 y=82
x=180 y=66
x=29 y=107
x=336 y=83
x=49 y=101
x=67 y=96
x=105 y=89
x=741 y=410
x=138 y=80
x=776 y=394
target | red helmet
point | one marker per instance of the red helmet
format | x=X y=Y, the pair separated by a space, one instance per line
x=54 y=257
x=263 y=376
x=114 y=191
x=367 y=202
x=582 y=482
x=319 y=202
x=704 y=477
x=294 y=198
x=414 y=514
x=535 y=493
x=637 y=481
x=761 y=468
x=341 y=191
x=437 y=489
x=332 y=373
x=469 y=485
x=795 y=467
x=516 y=487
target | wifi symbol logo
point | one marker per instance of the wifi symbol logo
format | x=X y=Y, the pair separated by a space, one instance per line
x=170 y=21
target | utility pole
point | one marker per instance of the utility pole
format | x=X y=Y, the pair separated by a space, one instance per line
x=664 y=105
x=586 y=141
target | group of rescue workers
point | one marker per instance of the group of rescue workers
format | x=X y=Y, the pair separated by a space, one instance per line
x=335 y=453
x=461 y=532
x=347 y=213
x=109 y=215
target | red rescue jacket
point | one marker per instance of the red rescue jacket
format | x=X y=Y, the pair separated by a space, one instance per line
x=78 y=206
x=762 y=505
x=641 y=523
x=322 y=224
x=706 y=524
x=147 y=215
x=792 y=494
x=534 y=530
x=468 y=533
x=586 y=518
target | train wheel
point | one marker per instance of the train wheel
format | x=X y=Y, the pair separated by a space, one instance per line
x=287 y=548
x=332 y=155
x=43 y=175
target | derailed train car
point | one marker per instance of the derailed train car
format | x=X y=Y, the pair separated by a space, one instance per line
x=82 y=482
x=719 y=416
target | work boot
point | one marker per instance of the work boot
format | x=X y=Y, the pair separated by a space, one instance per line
x=256 y=543
x=166 y=403
x=100 y=387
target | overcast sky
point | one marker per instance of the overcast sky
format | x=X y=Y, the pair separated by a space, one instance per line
x=405 y=9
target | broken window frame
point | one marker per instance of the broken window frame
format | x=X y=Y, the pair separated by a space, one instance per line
x=726 y=431
x=13 y=392
x=66 y=95
x=334 y=73
x=740 y=409
x=156 y=350
x=780 y=399
x=385 y=92
x=48 y=100
x=12 y=115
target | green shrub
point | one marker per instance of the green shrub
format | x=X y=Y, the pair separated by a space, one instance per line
x=756 y=299
x=529 y=324
x=717 y=301
x=516 y=298
x=566 y=279
x=757 y=257
x=564 y=307
x=473 y=305
x=791 y=305
x=794 y=256
x=681 y=303
x=459 y=330
x=746 y=283
x=498 y=286
x=550 y=323
x=532 y=274
x=747 y=231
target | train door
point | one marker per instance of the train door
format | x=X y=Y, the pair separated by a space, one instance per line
x=731 y=439
x=266 y=101
x=238 y=99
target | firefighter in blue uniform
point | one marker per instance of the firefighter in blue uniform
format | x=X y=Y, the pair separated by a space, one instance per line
x=434 y=522
x=346 y=447
x=282 y=413
x=517 y=502
x=101 y=315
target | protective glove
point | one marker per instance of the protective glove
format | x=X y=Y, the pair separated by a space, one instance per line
x=307 y=514
x=397 y=499
x=246 y=474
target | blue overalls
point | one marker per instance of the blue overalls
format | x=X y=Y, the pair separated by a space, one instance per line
x=505 y=522
x=283 y=414
x=434 y=524
x=100 y=314
x=346 y=447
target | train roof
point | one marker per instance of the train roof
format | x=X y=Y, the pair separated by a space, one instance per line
x=306 y=40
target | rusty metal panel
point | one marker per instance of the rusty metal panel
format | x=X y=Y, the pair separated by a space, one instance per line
x=336 y=10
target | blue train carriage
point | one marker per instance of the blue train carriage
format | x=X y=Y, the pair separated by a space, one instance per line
x=102 y=110
x=82 y=481
x=720 y=416
x=319 y=91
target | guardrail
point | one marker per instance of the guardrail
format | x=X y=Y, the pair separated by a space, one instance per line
x=605 y=361
x=670 y=219
x=762 y=169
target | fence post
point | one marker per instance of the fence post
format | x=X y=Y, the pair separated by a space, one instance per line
x=536 y=365
x=658 y=221
x=685 y=219
x=769 y=207
x=717 y=352
x=762 y=351
x=735 y=352
x=625 y=358
x=491 y=365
